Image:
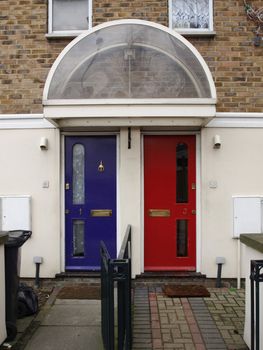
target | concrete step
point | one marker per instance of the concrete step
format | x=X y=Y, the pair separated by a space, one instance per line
x=92 y=277
x=177 y=277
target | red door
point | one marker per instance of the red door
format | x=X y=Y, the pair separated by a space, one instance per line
x=170 y=203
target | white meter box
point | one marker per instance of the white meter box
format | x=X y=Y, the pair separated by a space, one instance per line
x=15 y=213
x=247 y=215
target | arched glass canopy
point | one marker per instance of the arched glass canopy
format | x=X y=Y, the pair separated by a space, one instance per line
x=129 y=60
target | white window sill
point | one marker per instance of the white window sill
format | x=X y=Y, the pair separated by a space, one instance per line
x=197 y=32
x=65 y=34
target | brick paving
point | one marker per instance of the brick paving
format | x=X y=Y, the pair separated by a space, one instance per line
x=213 y=323
x=228 y=309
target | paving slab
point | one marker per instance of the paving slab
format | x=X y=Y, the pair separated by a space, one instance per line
x=66 y=338
x=69 y=324
x=74 y=313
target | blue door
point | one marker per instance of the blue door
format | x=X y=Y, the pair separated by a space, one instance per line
x=90 y=199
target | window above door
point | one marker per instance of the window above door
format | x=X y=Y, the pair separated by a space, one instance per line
x=69 y=17
x=193 y=17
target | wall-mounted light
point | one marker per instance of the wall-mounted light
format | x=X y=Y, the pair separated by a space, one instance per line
x=43 y=144
x=217 y=141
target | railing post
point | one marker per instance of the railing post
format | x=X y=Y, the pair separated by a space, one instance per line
x=129 y=309
x=111 y=306
x=252 y=306
x=255 y=278
x=107 y=299
x=121 y=316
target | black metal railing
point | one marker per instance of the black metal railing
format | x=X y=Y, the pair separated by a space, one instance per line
x=116 y=272
x=256 y=276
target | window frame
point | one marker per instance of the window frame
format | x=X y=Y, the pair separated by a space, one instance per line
x=194 y=31
x=65 y=33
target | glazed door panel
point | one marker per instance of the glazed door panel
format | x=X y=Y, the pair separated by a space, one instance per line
x=90 y=200
x=170 y=203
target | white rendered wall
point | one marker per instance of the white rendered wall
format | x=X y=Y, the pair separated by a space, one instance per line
x=27 y=170
x=233 y=170
x=130 y=193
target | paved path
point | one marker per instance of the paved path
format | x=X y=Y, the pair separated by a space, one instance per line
x=160 y=322
x=188 y=323
x=69 y=324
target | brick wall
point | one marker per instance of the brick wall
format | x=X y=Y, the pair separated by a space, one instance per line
x=149 y=10
x=236 y=64
x=26 y=55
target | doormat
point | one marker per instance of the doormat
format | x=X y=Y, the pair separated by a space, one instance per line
x=80 y=291
x=185 y=291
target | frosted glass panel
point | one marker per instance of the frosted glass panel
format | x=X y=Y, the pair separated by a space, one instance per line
x=78 y=237
x=190 y=14
x=129 y=61
x=70 y=15
x=78 y=174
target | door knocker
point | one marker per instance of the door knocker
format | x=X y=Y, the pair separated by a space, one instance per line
x=101 y=167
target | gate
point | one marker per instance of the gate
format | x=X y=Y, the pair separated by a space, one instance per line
x=116 y=272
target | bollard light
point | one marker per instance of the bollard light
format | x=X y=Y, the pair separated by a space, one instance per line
x=38 y=260
x=219 y=261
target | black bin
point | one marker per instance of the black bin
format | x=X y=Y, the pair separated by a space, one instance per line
x=15 y=240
